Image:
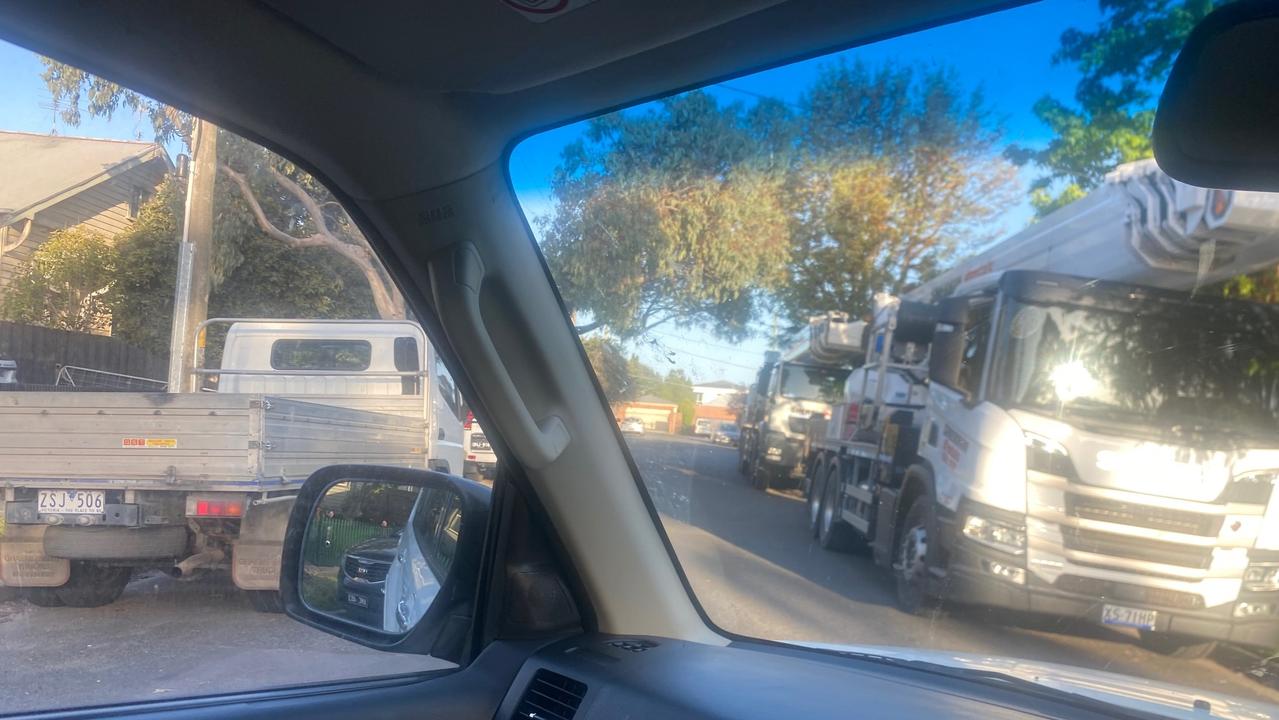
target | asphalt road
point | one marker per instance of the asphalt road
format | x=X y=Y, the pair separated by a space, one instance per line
x=757 y=572
x=748 y=555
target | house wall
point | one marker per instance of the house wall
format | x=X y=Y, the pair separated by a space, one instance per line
x=103 y=208
x=662 y=418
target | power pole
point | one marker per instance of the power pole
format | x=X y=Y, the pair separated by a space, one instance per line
x=195 y=259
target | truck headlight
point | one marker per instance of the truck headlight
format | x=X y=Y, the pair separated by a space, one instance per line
x=1045 y=455
x=1005 y=536
x=1261 y=577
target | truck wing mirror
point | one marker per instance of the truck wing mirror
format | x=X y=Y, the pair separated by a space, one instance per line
x=1214 y=126
x=946 y=355
x=386 y=557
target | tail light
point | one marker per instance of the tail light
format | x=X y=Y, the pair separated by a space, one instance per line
x=215 y=507
x=470 y=420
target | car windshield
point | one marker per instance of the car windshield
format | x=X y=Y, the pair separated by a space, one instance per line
x=813 y=383
x=1216 y=364
x=1062 y=471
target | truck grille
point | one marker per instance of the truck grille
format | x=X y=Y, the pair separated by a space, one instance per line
x=1107 y=590
x=367 y=570
x=1133 y=548
x=1154 y=518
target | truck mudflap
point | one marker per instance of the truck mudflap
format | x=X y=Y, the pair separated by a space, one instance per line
x=255 y=557
x=23 y=562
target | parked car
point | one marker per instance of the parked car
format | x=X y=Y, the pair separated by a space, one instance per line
x=362 y=579
x=726 y=434
x=632 y=426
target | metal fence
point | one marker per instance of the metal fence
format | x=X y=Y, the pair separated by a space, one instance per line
x=328 y=538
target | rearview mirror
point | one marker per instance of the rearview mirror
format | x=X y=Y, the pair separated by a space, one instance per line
x=1214 y=127
x=385 y=557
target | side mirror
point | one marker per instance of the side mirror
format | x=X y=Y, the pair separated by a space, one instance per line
x=946 y=354
x=1214 y=126
x=386 y=557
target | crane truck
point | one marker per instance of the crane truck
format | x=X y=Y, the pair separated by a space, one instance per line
x=1066 y=424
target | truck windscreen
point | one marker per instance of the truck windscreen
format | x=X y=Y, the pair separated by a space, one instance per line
x=803 y=382
x=1212 y=367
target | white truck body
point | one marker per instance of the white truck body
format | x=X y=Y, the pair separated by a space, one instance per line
x=1156 y=517
x=211 y=474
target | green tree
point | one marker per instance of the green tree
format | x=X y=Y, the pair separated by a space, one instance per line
x=1122 y=65
x=255 y=276
x=898 y=170
x=611 y=367
x=66 y=285
x=278 y=200
x=670 y=215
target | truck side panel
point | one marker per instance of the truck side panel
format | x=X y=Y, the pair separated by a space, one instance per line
x=134 y=439
x=301 y=437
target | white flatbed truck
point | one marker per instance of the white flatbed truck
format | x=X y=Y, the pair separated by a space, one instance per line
x=97 y=485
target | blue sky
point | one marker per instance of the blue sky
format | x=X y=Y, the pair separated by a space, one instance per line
x=1007 y=54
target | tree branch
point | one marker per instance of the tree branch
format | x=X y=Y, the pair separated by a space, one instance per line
x=389 y=303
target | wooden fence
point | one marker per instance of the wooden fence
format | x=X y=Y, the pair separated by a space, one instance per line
x=40 y=352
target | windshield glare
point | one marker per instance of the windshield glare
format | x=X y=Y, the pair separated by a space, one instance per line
x=1210 y=364
x=811 y=383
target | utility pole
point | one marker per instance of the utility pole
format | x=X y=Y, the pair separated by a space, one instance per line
x=195 y=259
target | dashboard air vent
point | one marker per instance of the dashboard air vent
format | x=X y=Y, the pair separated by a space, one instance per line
x=551 y=696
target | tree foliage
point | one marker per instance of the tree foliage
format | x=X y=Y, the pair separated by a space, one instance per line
x=1123 y=64
x=66 y=285
x=611 y=367
x=897 y=169
x=666 y=216
x=701 y=213
x=277 y=202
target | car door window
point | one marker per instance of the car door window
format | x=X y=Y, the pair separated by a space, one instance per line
x=139 y=552
x=806 y=221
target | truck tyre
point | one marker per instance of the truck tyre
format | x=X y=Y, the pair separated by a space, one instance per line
x=92 y=585
x=816 y=490
x=115 y=543
x=761 y=475
x=1178 y=646
x=832 y=532
x=45 y=597
x=266 y=601
x=910 y=557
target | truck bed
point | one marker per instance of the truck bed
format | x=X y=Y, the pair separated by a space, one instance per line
x=203 y=441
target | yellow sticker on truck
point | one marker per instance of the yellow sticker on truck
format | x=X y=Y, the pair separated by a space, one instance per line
x=146 y=442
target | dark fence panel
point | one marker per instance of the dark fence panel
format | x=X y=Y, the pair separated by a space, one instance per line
x=40 y=351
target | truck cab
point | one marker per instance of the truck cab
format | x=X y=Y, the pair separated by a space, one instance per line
x=1108 y=451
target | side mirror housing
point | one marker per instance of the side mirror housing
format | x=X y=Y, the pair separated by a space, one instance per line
x=386 y=557
x=946 y=354
x=1214 y=126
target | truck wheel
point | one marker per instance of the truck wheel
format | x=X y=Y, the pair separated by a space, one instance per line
x=265 y=601
x=45 y=597
x=832 y=532
x=816 y=490
x=910 y=557
x=761 y=476
x=1178 y=646
x=92 y=585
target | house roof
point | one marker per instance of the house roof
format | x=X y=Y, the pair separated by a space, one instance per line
x=655 y=400
x=39 y=168
x=722 y=384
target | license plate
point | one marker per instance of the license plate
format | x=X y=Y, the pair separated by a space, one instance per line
x=359 y=600
x=479 y=442
x=74 y=502
x=1128 y=617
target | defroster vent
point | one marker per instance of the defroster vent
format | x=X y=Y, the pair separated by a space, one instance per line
x=551 y=696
